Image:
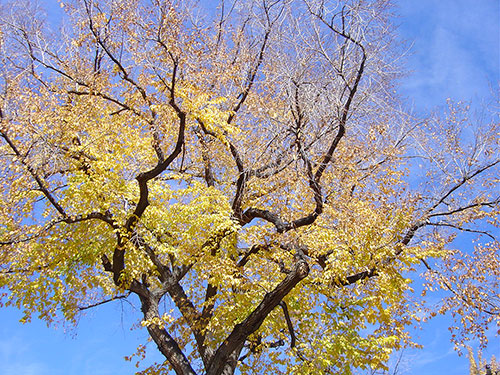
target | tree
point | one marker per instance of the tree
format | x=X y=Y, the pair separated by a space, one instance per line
x=251 y=165
x=481 y=366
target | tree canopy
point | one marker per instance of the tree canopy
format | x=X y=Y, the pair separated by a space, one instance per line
x=251 y=164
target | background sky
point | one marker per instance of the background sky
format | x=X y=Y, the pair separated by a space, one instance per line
x=454 y=54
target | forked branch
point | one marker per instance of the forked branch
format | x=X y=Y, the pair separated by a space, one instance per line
x=252 y=323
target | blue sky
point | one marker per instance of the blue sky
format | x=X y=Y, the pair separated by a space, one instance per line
x=454 y=50
x=454 y=54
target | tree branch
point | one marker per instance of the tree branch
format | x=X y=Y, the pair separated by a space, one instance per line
x=449 y=225
x=165 y=342
x=460 y=183
x=252 y=323
x=456 y=293
x=41 y=184
x=289 y=324
x=103 y=302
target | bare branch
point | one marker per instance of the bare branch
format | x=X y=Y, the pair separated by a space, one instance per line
x=459 y=184
x=462 y=229
x=82 y=308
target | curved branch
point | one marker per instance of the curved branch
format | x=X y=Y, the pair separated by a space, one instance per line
x=243 y=176
x=462 y=229
x=143 y=178
x=352 y=92
x=465 y=208
x=241 y=331
x=315 y=180
x=41 y=184
x=459 y=184
x=456 y=293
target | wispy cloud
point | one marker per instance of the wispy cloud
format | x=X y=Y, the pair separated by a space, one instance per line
x=456 y=50
x=15 y=358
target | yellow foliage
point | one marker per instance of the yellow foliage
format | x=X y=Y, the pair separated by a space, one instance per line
x=248 y=178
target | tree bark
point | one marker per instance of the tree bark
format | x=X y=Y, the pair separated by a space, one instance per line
x=252 y=323
x=166 y=343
